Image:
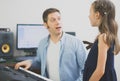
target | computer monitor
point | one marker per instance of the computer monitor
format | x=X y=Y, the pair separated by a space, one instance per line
x=28 y=36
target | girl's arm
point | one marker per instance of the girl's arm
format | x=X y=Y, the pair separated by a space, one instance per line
x=102 y=57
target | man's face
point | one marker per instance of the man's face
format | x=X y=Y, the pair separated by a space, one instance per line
x=54 y=23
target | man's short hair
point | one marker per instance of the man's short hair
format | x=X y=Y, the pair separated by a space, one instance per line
x=47 y=12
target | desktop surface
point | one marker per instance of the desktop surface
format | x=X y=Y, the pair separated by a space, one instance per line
x=22 y=58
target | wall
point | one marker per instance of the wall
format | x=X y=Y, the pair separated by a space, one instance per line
x=74 y=16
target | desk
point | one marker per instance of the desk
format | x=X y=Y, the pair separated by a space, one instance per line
x=11 y=63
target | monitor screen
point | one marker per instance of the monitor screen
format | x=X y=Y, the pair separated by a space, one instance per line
x=29 y=35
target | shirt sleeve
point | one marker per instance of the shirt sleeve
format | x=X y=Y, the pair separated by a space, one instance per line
x=81 y=58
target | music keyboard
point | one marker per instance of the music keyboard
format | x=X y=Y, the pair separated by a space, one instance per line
x=10 y=74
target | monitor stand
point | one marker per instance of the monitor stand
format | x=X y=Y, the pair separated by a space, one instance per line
x=29 y=55
x=31 y=52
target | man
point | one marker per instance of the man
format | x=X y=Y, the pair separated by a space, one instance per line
x=61 y=57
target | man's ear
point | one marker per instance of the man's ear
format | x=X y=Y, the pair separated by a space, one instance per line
x=45 y=24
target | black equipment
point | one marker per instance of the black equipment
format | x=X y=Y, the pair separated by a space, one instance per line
x=6 y=44
x=89 y=44
x=10 y=74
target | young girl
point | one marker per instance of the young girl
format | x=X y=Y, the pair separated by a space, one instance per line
x=100 y=62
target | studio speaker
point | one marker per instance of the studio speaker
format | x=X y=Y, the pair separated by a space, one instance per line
x=6 y=44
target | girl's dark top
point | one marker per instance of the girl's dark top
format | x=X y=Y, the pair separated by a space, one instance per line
x=91 y=63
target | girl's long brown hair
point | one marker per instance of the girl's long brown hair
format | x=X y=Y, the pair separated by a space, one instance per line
x=108 y=24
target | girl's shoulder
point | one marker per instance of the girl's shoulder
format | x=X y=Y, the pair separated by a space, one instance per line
x=102 y=40
x=102 y=37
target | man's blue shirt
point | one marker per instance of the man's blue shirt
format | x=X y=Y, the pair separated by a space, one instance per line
x=72 y=58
